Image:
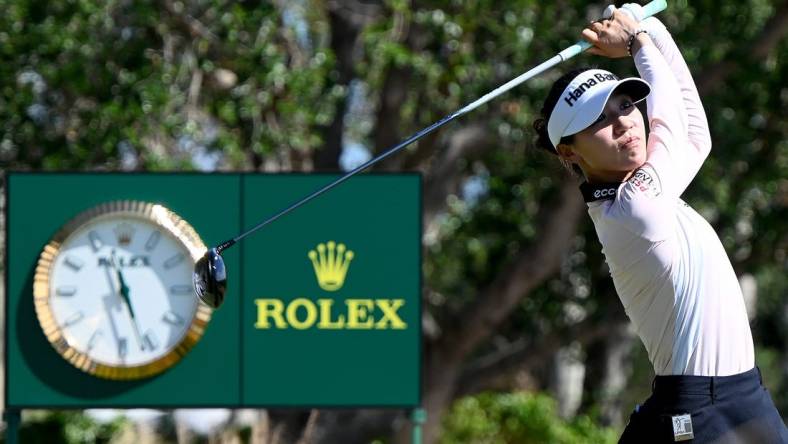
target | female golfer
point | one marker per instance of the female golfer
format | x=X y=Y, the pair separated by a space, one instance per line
x=667 y=263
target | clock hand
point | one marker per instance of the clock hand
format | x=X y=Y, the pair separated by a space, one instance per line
x=124 y=293
x=109 y=303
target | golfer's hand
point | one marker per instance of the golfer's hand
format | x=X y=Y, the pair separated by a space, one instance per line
x=609 y=37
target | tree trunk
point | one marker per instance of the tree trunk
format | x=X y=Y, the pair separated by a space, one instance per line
x=566 y=382
x=608 y=360
x=443 y=372
x=3 y=266
x=344 y=36
x=618 y=369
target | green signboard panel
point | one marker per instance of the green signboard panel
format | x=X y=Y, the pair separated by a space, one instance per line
x=322 y=306
x=345 y=348
x=38 y=205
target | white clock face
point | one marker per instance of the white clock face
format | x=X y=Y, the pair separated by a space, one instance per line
x=86 y=291
x=113 y=290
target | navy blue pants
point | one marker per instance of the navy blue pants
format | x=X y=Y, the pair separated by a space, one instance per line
x=723 y=409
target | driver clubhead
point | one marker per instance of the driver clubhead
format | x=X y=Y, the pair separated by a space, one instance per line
x=210 y=278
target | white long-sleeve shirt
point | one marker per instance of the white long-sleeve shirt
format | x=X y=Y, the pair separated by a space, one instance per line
x=669 y=268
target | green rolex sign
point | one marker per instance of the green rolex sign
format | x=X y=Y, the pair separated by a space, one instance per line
x=332 y=300
x=322 y=308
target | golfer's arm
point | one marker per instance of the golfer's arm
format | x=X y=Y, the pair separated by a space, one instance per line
x=697 y=125
x=666 y=113
x=668 y=147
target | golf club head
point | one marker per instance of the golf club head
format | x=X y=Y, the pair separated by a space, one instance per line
x=210 y=278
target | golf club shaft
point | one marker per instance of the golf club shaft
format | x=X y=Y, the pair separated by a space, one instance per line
x=649 y=10
x=468 y=108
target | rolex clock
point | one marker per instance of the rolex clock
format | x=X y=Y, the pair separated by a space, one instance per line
x=113 y=293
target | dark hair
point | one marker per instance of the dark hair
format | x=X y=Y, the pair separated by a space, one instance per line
x=542 y=140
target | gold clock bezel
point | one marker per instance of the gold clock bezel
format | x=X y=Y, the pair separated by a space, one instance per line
x=160 y=216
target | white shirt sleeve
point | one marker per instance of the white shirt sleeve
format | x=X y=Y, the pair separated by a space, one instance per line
x=679 y=141
x=638 y=206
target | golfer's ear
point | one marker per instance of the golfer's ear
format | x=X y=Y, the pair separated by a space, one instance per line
x=566 y=152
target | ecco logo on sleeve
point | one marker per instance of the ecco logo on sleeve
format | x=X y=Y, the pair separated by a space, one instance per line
x=600 y=191
x=607 y=192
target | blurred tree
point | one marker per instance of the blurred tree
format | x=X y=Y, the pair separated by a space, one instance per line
x=513 y=271
x=67 y=427
x=521 y=418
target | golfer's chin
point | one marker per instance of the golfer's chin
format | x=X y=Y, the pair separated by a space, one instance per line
x=627 y=167
x=635 y=159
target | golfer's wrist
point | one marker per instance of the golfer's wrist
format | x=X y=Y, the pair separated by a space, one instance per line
x=639 y=40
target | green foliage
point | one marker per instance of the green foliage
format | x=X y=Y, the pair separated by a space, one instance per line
x=769 y=363
x=67 y=427
x=521 y=418
x=88 y=84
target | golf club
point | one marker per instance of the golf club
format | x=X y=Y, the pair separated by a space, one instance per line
x=210 y=273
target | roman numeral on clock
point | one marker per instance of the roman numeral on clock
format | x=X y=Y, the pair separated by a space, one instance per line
x=123 y=347
x=173 y=261
x=66 y=290
x=172 y=318
x=94 y=338
x=181 y=289
x=73 y=319
x=95 y=240
x=149 y=340
x=152 y=241
x=74 y=262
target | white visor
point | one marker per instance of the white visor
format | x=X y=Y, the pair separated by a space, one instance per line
x=584 y=99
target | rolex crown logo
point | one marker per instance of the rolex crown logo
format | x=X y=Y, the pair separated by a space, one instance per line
x=124 y=232
x=331 y=261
